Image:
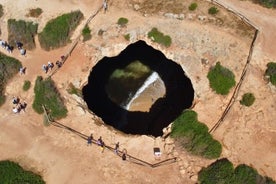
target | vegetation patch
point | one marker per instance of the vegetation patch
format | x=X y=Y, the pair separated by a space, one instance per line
x=122 y=21
x=1 y=10
x=267 y=3
x=8 y=68
x=57 y=31
x=193 y=6
x=194 y=137
x=86 y=33
x=22 y=31
x=127 y=37
x=26 y=85
x=222 y=171
x=247 y=99
x=221 y=79
x=213 y=10
x=159 y=37
x=271 y=72
x=46 y=94
x=36 y=12
x=13 y=173
x=73 y=90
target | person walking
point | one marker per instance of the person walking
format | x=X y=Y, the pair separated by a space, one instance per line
x=89 y=140
x=116 y=149
x=105 y=5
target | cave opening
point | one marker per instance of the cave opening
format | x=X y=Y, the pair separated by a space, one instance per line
x=139 y=91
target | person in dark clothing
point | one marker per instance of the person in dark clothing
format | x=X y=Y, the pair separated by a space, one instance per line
x=89 y=140
x=116 y=149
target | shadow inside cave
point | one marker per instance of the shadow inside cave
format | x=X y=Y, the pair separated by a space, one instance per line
x=179 y=92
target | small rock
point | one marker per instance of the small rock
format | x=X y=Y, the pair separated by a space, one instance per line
x=202 y=18
x=182 y=171
x=169 y=141
x=136 y=7
x=80 y=111
x=191 y=16
x=181 y=16
x=169 y=15
x=194 y=178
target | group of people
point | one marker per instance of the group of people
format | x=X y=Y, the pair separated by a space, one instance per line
x=101 y=143
x=47 y=67
x=50 y=65
x=22 y=70
x=18 y=105
x=8 y=47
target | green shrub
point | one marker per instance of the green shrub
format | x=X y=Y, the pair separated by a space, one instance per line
x=1 y=10
x=8 y=68
x=213 y=10
x=46 y=94
x=221 y=79
x=222 y=171
x=122 y=21
x=86 y=33
x=192 y=6
x=159 y=37
x=73 y=90
x=13 y=173
x=271 y=72
x=127 y=37
x=247 y=99
x=194 y=136
x=22 y=31
x=101 y=32
x=267 y=3
x=26 y=85
x=36 y=12
x=57 y=31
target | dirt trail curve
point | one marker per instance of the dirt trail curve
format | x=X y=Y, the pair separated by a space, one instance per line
x=266 y=24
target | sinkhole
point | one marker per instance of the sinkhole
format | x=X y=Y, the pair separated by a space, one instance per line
x=139 y=91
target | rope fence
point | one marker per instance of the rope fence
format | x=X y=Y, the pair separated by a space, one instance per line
x=129 y=157
x=238 y=86
x=76 y=41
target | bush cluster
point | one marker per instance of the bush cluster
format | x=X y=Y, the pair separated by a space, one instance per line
x=1 y=10
x=12 y=173
x=36 y=12
x=57 y=31
x=26 y=85
x=222 y=171
x=271 y=72
x=159 y=37
x=194 y=136
x=8 y=68
x=247 y=99
x=122 y=21
x=22 y=31
x=213 y=10
x=221 y=79
x=46 y=94
x=192 y=6
x=73 y=90
x=267 y=3
x=127 y=37
x=86 y=33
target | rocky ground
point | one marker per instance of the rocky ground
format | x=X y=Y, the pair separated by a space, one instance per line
x=248 y=134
